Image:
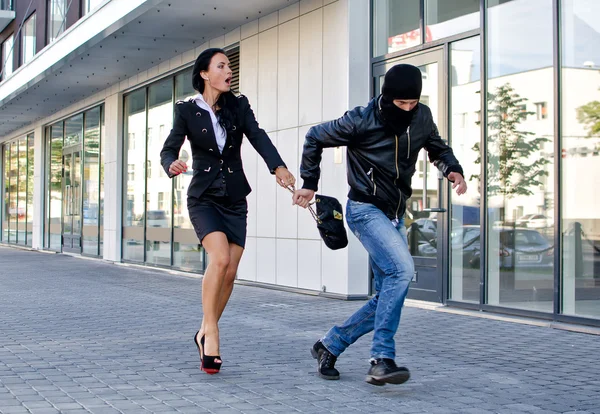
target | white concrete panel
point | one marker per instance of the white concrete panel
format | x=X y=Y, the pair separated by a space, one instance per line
x=310 y=5
x=289 y=13
x=287 y=262
x=287 y=214
x=358 y=267
x=266 y=224
x=266 y=264
x=267 y=79
x=268 y=22
x=309 y=264
x=201 y=48
x=326 y=2
x=307 y=228
x=218 y=41
x=163 y=67
x=287 y=78
x=249 y=29
x=247 y=267
x=249 y=70
x=335 y=60
x=334 y=270
x=175 y=62
x=113 y=177
x=311 y=67
x=233 y=37
x=250 y=161
x=188 y=57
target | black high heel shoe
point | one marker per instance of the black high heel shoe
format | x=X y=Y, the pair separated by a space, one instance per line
x=210 y=364
x=200 y=350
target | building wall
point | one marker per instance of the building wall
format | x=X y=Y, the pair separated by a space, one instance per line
x=296 y=66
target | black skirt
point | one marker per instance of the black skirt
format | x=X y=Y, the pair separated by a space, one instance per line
x=215 y=213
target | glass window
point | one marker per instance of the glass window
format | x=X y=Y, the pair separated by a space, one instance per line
x=465 y=136
x=445 y=18
x=14 y=205
x=90 y=5
x=28 y=39
x=101 y=211
x=520 y=152
x=30 y=161
x=580 y=159
x=91 y=182
x=7 y=57
x=396 y=25
x=57 y=18
x=187 y=251
x=55 y=187
x=6 y=174
x=158 y=198
x=135 y=183
x=22 y=191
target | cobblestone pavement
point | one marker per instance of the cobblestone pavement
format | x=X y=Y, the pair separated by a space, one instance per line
x=81 y=336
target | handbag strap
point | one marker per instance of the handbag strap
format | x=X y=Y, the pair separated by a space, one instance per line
x=292 y=189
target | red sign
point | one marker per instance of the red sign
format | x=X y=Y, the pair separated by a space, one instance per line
x=408 y=39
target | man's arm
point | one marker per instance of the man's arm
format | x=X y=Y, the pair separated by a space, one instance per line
x=442 y=156
x=337 y=133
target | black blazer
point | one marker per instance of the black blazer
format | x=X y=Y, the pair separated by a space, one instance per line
x=193 y=122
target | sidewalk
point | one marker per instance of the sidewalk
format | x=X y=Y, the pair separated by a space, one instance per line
x=80 y=336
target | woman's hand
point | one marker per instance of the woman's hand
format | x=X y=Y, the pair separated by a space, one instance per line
x=284 y=178
x=177 y=167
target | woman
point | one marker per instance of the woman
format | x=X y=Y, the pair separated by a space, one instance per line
x=214 y=121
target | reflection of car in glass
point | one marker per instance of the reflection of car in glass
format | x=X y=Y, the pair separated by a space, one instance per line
x=157 y=218
x=534 y=221
x=517 y=247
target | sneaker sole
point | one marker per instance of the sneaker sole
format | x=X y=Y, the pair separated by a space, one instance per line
x=326 y=377
x=393 y=378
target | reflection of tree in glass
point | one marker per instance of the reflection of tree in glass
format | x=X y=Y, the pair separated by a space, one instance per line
x=589 y=115
x=513 y=165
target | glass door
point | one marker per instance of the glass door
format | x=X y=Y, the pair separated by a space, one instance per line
x=72 y=199
x=426 y=216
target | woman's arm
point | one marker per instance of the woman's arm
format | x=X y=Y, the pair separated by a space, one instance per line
x=170 y=151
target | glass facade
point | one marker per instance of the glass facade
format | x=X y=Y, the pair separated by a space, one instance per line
x=156 y=226
x=6 y=66
x=17 y=215
x=526 y=236
x=580 y=157
x=57 y=18
x=74 y=184
x=28 y=39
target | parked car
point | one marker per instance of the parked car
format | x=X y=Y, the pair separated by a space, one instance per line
x=534 y=221
x=517 y=247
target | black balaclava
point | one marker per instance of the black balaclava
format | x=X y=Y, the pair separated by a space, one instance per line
x=402 y=81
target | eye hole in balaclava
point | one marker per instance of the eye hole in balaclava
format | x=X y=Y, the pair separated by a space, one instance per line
x=402 y=81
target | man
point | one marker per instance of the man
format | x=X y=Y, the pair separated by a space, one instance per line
x=383 y=140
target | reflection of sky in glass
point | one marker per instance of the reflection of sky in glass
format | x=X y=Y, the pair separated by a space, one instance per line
x=519 y=36
x=580 y=32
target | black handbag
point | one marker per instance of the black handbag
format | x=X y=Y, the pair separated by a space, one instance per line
x=330 y=221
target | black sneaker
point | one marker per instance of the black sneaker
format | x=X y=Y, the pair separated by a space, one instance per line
x=385 y=371
x=326 y=361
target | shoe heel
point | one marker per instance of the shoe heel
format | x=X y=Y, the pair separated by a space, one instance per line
x=209 y=363
x=314 y=353
x=198 y=346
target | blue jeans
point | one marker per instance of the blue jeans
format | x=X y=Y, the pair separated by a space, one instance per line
x=393 y=269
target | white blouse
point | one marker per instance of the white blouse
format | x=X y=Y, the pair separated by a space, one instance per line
x=220 y=133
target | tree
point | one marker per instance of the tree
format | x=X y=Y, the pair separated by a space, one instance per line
x=514 y=164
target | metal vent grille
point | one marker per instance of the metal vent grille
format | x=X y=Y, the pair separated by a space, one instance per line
x=234 y=62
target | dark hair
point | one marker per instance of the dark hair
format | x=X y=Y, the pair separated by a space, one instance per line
x=227 y=102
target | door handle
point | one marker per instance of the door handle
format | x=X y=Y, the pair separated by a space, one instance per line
x=440 y=188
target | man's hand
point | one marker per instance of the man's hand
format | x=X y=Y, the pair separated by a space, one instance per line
x=303 y=197
x=458 y=182
x=284 y=177
x=177 y=167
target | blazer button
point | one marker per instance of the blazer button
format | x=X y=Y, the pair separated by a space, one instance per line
x=198 y=113
x=221 y=161
x=204 y=131
x=234 y=128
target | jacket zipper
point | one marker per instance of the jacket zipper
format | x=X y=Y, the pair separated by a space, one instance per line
x=371 y=173
x=408 y=133
x=398 y=173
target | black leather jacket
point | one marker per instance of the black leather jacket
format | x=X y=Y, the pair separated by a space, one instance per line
x=193 y=122
x=380 y=164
